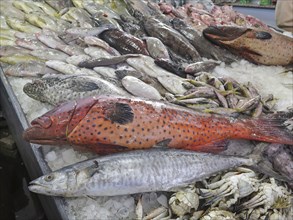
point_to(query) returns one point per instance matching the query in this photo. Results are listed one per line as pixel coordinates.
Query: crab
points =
(184, 201)
(218, 214)
(162, 211)
(231, 187)
(269, 196)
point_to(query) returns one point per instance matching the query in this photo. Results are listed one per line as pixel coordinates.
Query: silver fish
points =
(27, 69)
(94, 41)
(97, 52)
(173, 84)
(134, 172)
(139, 88)
(57, 89)
(62, 67)
(156, 48)
(49, 54)
(76, 59)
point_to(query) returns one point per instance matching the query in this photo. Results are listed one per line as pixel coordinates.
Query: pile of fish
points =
(125, 75)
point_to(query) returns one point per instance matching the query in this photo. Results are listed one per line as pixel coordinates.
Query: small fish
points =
(205, 66)
(256, 45)
(49, 54)
(31, 44)
(10, 50)
(59, 4)
(172, 83)
(26, 6)
(76, 59)
(174, 40)
(94, 41)
(106, 61)
(21, 25)
(46, 8)
(134, 172)
(146, 65)
(49, 38)
(8, 10)
(28, 69)
(135, 123)
(139, 88)
(19, 58)
(58, 89)
(77, 15)
(156, 48)
(123, 42)
(83, 32)
(62, 67)
(97, 52)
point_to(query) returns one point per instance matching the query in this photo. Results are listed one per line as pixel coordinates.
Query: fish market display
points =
(134, 172)
(98, 59)
(136, 123)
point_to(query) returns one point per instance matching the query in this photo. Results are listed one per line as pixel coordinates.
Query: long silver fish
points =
(134, 172)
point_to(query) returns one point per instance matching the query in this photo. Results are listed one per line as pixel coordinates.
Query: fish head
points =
(35, 90)
(251, 44)
(53, 184)
(225, 34)
(54, 126)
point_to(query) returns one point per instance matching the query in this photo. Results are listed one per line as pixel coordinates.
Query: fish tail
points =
(261, 163)
(270, 128)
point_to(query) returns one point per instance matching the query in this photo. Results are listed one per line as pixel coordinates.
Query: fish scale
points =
(110, 123)
(183, 129)
(135, 172)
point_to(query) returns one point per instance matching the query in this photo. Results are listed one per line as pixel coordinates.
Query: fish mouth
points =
(37, 135)
(37, 187)
(223, 33)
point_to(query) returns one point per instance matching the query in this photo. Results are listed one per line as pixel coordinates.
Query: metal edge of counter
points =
(30, 153)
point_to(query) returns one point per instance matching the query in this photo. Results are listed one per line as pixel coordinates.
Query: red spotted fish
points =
(256, 45)
(109, 123)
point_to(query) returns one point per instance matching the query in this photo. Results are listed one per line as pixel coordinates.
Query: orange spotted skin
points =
(256, 45)
(115, 123)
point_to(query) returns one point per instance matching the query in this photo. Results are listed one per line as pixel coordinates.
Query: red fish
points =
(110, 123)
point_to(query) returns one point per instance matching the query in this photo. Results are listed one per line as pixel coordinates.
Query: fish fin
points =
(120, 113)
(262, 164)
(212, 147)
(269, 128)
(163, 144)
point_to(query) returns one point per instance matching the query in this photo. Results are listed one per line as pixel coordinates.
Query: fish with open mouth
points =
(256, 45)
(102, 123)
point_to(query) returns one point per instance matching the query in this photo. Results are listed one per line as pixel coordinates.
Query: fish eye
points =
(49, 178)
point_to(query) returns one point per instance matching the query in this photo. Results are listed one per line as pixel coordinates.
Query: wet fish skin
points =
(174, 40)
(49, 54)
(138, 123)
(19, 58)
(123, 42)
(31, 44)
(134, 172)
(139, 88)
(106, 61)
(156, 48)
(58, 89)
(94, 41)
(256, 45)
(10, 50)
(28, 69)
(62, 67)
(59, 4)
(203, 46)
(205, 66)
(21, 25)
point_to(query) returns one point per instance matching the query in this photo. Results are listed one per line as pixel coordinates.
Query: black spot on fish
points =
(262, 35)
(120, 113)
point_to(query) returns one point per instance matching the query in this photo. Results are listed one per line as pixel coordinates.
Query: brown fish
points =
(134, 123)
(256, 45)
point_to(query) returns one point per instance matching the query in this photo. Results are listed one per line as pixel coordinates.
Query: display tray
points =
(31, 154)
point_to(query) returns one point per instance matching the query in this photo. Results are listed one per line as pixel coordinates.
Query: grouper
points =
(112, 123)
(256, 45)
